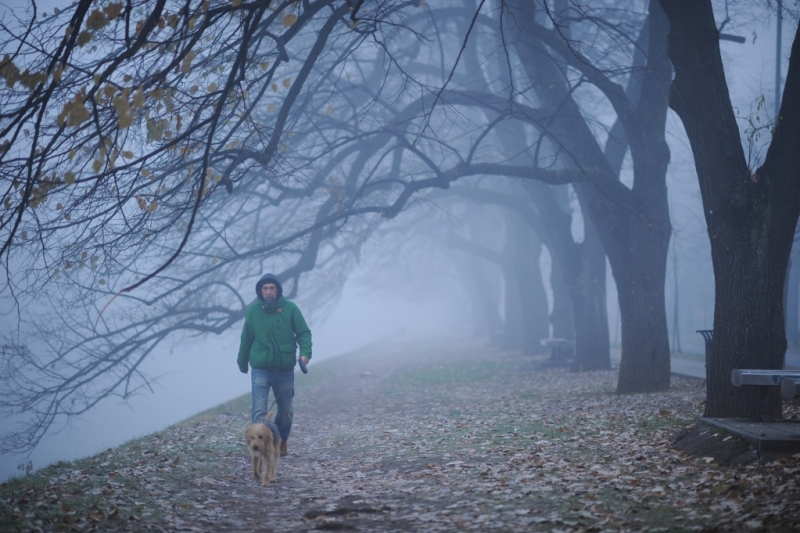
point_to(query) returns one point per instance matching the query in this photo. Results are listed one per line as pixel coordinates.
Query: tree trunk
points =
(562, 317)
(640, 281)
(592, 347)
(533, 298)
(513, 323)
(751, 216)
(792, 295)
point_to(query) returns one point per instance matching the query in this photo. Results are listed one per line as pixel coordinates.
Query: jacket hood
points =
(269, 278)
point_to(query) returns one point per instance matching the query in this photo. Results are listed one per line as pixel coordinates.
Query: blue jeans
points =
(282, 384)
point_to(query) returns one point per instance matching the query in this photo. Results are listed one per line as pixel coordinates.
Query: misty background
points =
(409, 282)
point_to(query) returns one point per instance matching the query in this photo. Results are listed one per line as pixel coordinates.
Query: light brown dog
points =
(263, 441)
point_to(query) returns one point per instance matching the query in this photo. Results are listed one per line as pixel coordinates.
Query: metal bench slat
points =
(741, 377)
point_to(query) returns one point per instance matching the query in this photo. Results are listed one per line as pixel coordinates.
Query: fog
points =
(189, 379)
(407, 279)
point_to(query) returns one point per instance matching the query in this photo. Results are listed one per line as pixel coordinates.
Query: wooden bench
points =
(787, 380)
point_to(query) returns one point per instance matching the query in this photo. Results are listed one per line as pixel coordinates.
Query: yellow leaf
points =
(59, 206)
(187, 61)
(212, 87)
(138, 98)
(69, 178)
(72, 155)
(274, 87)
(127, 78)
(84, 37)
(286, 82)
(101, 281)
(127, 154)
(156, 94)
(141, 202)
(97, 165)
(264, 65)
(289, 19)
(112, 11)
(214, 260)
(109, 90)
(24, 235)
(329, 110)
(96, 20)
(235, 3)
(152, 207)
(270, 108)
(193, 89)
(123, 109)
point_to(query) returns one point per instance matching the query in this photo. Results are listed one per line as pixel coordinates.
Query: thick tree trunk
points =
(640, 286)
(562, 317)
(513, 323)
(750, 216)
(533, 298)
(588, 289)
(792, 295)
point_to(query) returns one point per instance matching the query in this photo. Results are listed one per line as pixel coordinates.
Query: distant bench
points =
(559, 349)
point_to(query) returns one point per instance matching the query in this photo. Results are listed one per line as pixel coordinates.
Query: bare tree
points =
(182, 146)
(751, 212)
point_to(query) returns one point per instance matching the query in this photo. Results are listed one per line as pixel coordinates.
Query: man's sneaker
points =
(284, 448)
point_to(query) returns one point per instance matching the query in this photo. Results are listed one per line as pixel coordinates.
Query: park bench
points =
(787, 380)
(559, 349)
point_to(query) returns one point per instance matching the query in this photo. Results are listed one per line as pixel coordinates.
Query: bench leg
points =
(767, 405)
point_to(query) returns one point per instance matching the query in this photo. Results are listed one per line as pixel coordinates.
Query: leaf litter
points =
(426, 436)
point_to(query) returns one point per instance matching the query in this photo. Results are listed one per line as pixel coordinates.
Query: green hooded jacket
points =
(272, 332)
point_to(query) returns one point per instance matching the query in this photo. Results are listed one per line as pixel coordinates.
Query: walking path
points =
(445, 435)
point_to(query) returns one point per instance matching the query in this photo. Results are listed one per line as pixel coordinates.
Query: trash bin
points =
(708, 336)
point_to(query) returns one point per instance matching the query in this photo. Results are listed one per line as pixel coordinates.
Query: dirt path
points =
(424, 436)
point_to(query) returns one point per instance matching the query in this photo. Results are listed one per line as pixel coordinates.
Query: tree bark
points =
(562, 317)
(533, 298)
(751, 215)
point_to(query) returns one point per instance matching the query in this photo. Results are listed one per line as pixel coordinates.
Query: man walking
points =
(273, 329)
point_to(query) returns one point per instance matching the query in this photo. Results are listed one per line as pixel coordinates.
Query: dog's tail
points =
(270, 416)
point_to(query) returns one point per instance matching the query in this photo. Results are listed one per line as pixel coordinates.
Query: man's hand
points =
(303, 360)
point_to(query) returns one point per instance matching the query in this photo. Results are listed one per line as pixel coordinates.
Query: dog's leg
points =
(265, 476)
(256, 466)
(271, 467)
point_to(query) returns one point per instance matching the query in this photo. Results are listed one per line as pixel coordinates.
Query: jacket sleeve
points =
(245, 345)
(301, 332)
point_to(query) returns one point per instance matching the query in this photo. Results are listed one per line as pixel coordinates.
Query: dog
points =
(263, 441)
